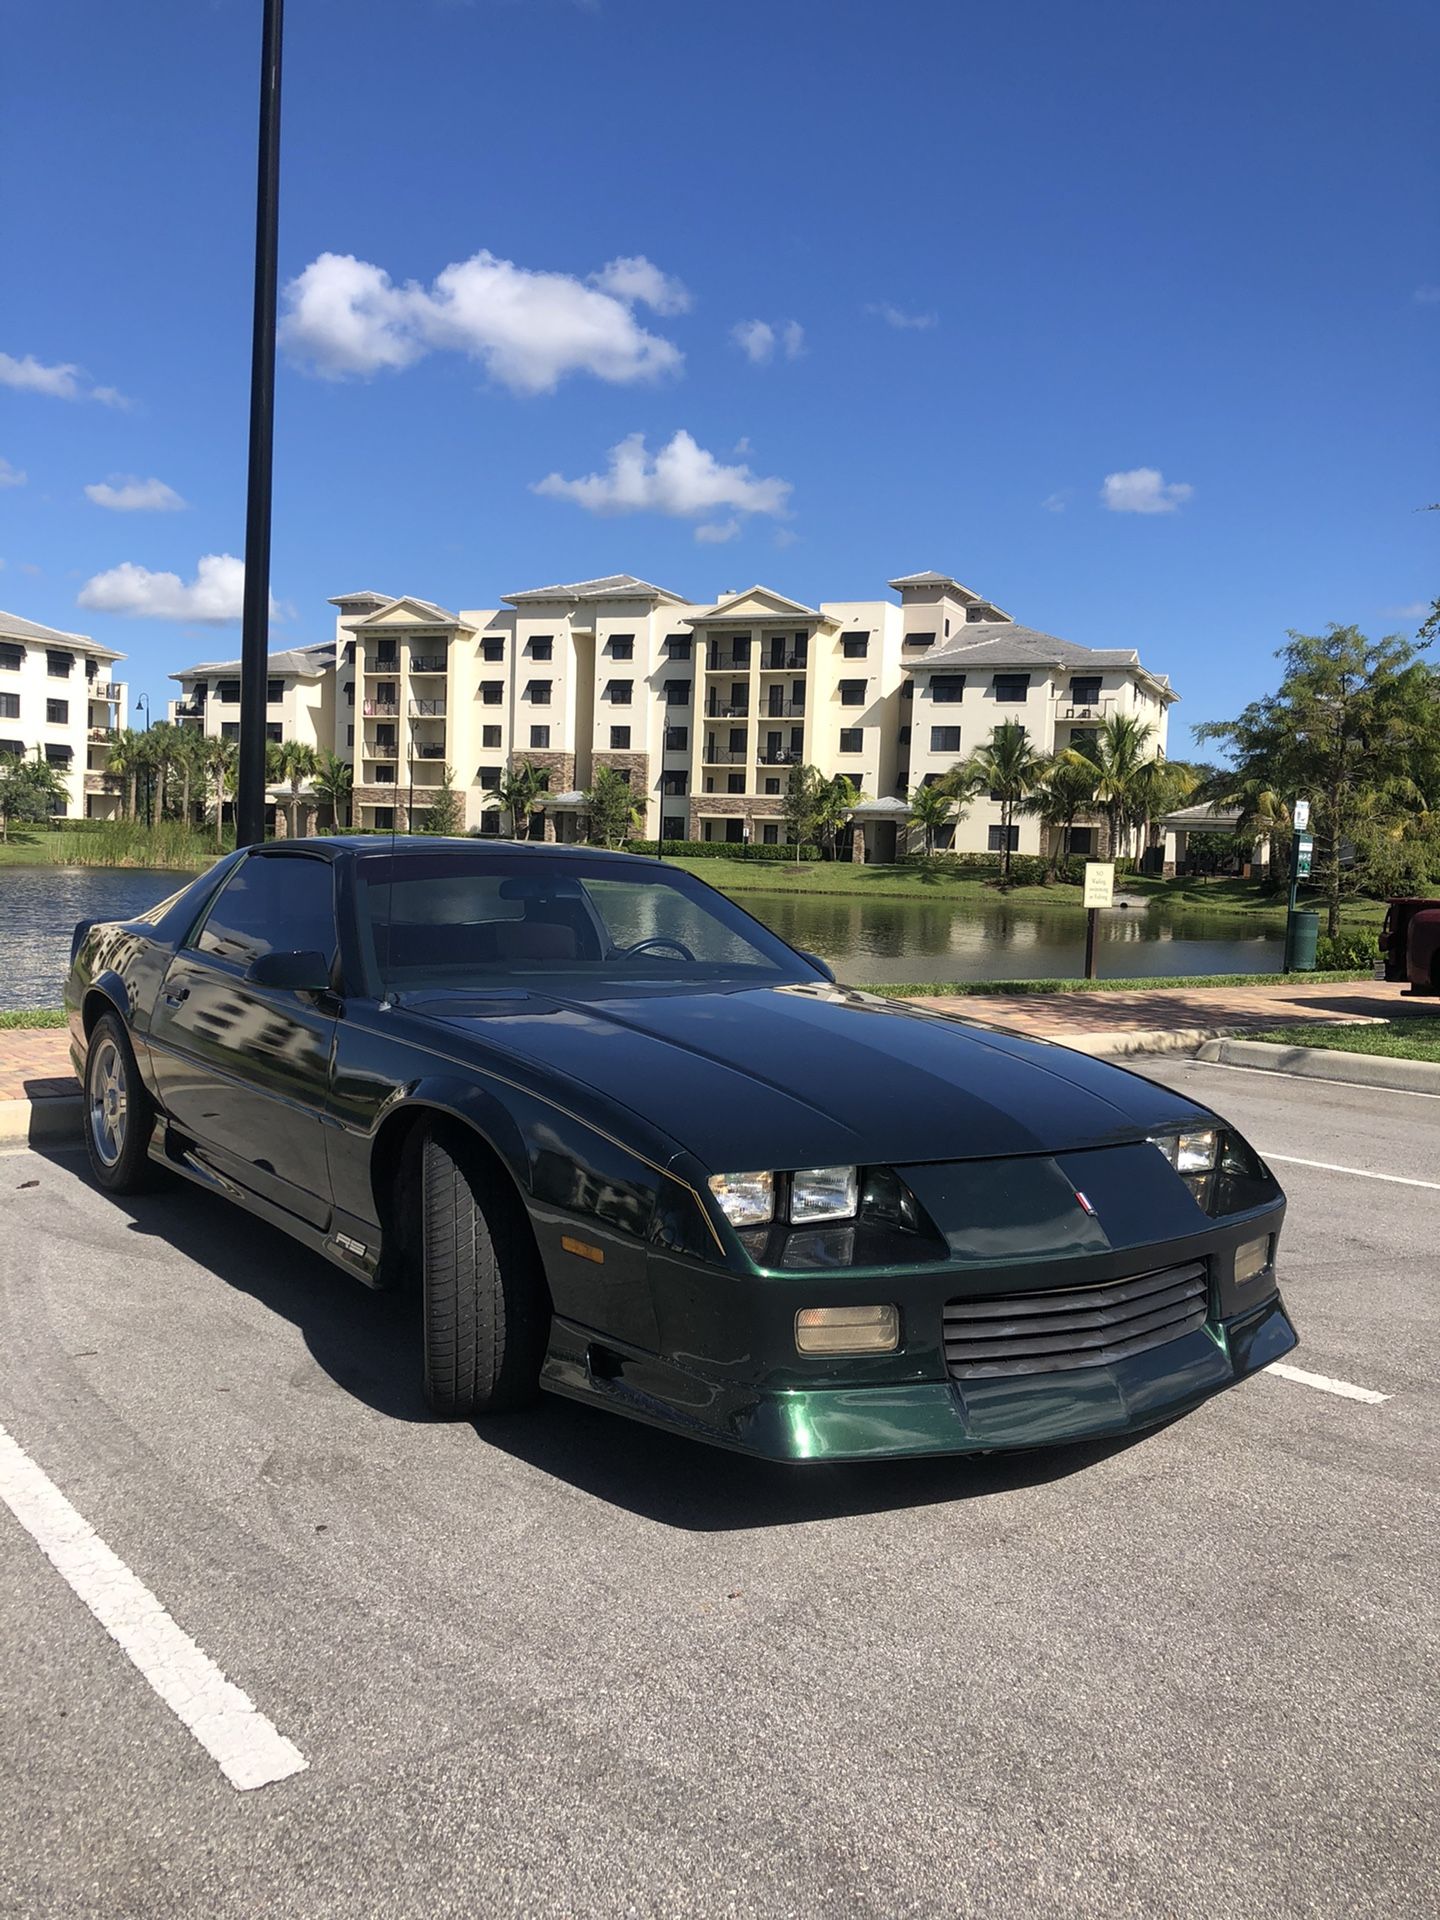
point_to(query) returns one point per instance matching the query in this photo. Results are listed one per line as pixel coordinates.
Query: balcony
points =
(783, 710)
(380, 709)
(381, 750)
(383, 663)
(103, 690)
(725, 756)
(428, 663)
(97, 733)
(427, 751)
(791, 757)
(427, 709)
(1097, 710)
(785, 663)
(728, 710)
(726, 663)
(186, 709)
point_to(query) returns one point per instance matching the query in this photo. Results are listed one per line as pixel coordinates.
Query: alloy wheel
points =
(109, 1102)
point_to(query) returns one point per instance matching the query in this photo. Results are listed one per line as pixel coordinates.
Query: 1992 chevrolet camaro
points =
(632, 1147)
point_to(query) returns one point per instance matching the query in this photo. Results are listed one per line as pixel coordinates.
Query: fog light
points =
(1252, 1258)
(847, 1329)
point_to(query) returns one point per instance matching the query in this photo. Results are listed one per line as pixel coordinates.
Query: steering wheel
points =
(658, 940)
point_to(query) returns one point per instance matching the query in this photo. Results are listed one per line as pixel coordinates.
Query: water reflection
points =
(38, 910)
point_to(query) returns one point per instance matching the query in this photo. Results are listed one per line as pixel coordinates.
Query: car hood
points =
(813, 1076)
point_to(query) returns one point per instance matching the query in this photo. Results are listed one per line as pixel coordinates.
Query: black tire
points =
(119, 1114)
(485, 1308)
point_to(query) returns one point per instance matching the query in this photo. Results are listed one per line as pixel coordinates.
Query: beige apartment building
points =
(704, 708)
(58, 699)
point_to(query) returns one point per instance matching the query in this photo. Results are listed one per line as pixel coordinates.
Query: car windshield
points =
(452, 920)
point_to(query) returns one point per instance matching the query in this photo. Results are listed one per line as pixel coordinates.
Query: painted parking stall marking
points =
(247, 1747)
(1360, 1173)
(1326, 1385)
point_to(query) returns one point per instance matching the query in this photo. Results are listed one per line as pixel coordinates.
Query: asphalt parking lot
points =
(565, 1665)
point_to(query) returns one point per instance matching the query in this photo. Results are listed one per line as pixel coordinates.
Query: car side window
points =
(272, 903)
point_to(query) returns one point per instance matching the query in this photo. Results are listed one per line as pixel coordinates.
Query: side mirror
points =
(293, 972)
(816, 961)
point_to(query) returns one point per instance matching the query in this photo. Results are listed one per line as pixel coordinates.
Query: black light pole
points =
(255, 628)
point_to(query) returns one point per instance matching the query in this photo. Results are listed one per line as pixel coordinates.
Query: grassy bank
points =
(1417, 1037)
(25, 1018)
(110, 844)
(919, 990)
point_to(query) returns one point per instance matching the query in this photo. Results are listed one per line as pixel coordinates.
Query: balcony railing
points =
(98, 733)
(428, 663)
(427, 751)
(427, 709)
(790, 758)
(381, 750)
(104, 690)
(188, 709)
(785, 663)
(1097, 710)
(726, 663)
(383, 663)
(728, 710)
(783, 710)
(725, 756)
(380, 709)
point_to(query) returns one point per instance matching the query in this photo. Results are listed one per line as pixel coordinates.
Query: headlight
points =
(1196, 1150)
(824, 1193)
(746, 1199)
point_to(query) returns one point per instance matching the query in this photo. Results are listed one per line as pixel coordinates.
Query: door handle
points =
(174, 999)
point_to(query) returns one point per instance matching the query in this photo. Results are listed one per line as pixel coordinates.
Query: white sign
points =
(1302, 815)
(1099, 883)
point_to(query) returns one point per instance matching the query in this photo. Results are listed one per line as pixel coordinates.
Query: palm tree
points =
(1067, 790)
(1160, 787)
(1009, 769)
(160, 758)
(518, 792)
(334, 781)
(295, 762)
(930, 809)
(835, 803)
(127, 757)
(187, 749)
(219, 761)
(1120, 751)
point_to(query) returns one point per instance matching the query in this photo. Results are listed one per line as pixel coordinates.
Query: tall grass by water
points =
(112, 843)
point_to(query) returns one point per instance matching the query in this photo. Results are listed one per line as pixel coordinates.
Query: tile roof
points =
(1003, 642)
(348, 599)
(305, 661)
(14, 626)
(442, 616)
(608, 586)
(932, 579)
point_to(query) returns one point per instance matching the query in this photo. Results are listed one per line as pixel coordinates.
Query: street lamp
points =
(143, 700)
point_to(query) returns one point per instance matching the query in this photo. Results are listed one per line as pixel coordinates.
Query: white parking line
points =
(1274, 1073)
(1327, 1385)
(226, 1722)
(1360, 1173)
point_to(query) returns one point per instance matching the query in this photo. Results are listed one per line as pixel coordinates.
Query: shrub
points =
(720, 850)
(1354, 948)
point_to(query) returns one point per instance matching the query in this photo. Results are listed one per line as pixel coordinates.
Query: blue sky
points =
(999, 255)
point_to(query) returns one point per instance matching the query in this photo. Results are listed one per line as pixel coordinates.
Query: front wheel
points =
(119, 1113)
(485, 1306)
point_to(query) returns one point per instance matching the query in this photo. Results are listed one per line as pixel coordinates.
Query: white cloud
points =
(10, 476)
(1428, 296)
(784, 537)
(759, 339)
(63, 381)
(898, 318)
(29, 566)
(214, 596)
(716, 533)
(681, 479)
(124, 493)
(1056, 502)
(742, 445)
(1143, 490)
(345, 316)
(1415, 610)
(633, 277)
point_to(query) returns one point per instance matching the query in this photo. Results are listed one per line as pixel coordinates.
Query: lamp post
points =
(255, 621)
(143, 700)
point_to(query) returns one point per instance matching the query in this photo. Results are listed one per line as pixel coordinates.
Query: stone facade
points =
(758, 809)
(559, 766)
(637, 765)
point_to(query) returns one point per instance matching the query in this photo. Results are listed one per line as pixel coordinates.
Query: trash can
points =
(1300, 939)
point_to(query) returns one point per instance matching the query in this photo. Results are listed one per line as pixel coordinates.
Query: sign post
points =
(1302, 846)
(1099, 892)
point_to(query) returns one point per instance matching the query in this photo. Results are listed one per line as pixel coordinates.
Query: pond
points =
(864, 940)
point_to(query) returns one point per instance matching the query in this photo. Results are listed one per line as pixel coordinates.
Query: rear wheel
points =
(119, 1113)
(485, 1307)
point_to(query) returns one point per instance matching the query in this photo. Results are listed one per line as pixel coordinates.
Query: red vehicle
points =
(1410, 944)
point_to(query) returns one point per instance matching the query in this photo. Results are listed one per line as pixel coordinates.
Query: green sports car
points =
(629, 1146)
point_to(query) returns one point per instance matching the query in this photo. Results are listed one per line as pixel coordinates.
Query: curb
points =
(39, 1122)
(1326, 1063)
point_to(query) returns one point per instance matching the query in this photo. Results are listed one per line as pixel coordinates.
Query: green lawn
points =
(912, 990)
(1416, 1037)
(32, 1017)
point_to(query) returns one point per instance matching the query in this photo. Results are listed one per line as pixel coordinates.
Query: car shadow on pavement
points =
(369, 1345)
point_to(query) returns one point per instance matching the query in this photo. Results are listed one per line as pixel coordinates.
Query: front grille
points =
(1058, 1331)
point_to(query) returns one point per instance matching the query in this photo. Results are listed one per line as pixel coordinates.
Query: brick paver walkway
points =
(36, 1065)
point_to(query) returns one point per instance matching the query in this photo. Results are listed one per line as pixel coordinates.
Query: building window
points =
(385, 819)
(673, 827)
(228, 692)
(674, 784)
(538, 693)
(10, 706)
(947, 689)
(855, 646)
(620, 692)
(622, 773)
(677, 646)
(677, 693)
(58, 665)
(274, 692)
(734, 783)
(1084, 689)
(492, 692)
(385, 776)
(492, 647)
(12, 658)
(944, 739)
(852, 739)
(488, 778)
(1085, 740)
(995, 839)
(349, 736)
(59, 756)
(542, 647)
(771, 785)
(1082, 841)
(490, 736)
(904, 736)
(852, 693)
(349, 693)
(539, 736)
(619, 739)
(274, 731)
(229, 729)
(622, 646)
(677, 739)
(919, 639)
(1011, 689)
(15, 747)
